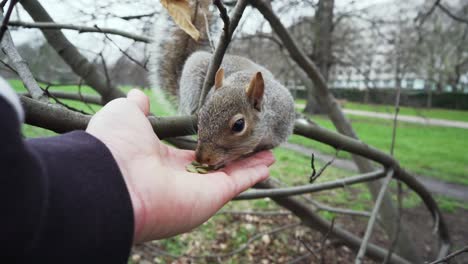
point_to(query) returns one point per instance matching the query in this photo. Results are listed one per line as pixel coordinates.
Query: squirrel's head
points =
(228, 121)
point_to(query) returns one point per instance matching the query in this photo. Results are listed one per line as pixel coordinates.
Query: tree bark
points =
(322, 53)
(70, 54)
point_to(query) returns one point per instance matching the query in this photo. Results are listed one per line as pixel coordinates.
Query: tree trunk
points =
(322, 51)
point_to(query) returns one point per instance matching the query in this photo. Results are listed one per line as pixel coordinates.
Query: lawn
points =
(439, 152)
(437, 113)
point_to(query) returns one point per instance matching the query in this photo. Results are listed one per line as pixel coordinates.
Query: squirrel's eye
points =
(238, 126)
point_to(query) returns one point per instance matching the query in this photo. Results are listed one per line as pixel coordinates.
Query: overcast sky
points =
(68, 12)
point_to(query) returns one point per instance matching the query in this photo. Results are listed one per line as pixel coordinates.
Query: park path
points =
(410, 119)
(406, 118)
(452, 190)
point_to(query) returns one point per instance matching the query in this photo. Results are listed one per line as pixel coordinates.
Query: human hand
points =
(167, 200)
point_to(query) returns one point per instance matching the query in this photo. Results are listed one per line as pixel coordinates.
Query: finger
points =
(262, 158)
(245, 178)
(140, 99)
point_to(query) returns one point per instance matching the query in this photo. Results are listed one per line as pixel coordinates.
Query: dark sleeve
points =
(62, 199)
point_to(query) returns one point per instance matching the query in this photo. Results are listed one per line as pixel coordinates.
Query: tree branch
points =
(57, 119)
(450, 14)
(375, 212)
(80, 29)
(21, 67)
(309, 188)
(223, 44)
(450, 256)
(5, 19)
(79, 64)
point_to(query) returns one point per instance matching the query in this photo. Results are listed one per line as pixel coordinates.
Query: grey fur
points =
(271, 126)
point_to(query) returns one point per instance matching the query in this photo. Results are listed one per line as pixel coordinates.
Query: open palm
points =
(166, 199)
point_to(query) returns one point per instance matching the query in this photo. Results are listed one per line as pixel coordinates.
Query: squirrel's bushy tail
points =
(173, 46)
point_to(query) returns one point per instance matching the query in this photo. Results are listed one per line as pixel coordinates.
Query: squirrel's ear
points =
(255, 90)
(219, 78)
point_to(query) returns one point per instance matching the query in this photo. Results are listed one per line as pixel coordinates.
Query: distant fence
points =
(411, 98)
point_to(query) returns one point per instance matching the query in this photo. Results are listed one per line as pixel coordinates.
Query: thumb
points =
(140, 99)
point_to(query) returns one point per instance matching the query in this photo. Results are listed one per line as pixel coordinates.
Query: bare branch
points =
(392, 148)
(223, 14)
(450, 14)
(80, 29)
(450, 256)
(223, 44)
(79, 64)
(60, 120)
(324, 207)
(5, 19)
(257, 213)
(309, 188)
(21, 67)
(137, 16)
(91, 99)
(375, 212)
(143, 66)
(315, 175)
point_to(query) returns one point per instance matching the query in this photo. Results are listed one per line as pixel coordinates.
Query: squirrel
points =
(246, 110)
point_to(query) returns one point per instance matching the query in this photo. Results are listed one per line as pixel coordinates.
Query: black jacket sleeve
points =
(62, 199)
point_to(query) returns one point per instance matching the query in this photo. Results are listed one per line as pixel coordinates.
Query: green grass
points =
(439, 152)
(437, 113)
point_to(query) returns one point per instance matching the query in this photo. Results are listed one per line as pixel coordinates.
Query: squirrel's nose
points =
(202, 157)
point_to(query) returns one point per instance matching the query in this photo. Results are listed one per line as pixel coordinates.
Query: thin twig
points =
(21, 67)
(223, 14)
(9, 67)
(324, 239)
(396, 233)
(314, 175)
(309, 188)
(80, 29)
(450, 256)
(137, 16)
(106, 72)
(143, 66)
(375, 211)
(4, 26)
(450, 14)
(208, 33)
(309, 249)
(97, 100)
(223, 44)
(337, 210)
(256, 213)
(58, 101)
(3, 3)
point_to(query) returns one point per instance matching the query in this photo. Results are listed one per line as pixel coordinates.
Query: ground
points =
(289, 246)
